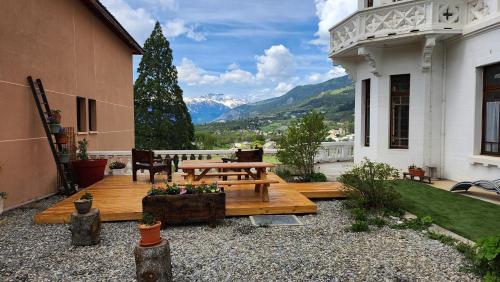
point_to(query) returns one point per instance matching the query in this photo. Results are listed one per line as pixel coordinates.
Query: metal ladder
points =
(63, 169)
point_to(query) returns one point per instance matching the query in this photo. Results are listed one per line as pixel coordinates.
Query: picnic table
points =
(256, 170)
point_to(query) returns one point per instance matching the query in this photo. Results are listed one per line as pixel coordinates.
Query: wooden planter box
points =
(187, 208)
(417, 172)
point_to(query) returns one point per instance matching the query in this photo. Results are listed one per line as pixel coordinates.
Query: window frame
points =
(391, 111)
(366, 87)
(81, 114)
(488, 89)
(92, 115)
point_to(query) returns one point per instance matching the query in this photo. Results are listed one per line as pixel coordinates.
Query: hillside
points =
(297, 98)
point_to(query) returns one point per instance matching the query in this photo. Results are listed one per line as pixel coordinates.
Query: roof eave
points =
(100, 10)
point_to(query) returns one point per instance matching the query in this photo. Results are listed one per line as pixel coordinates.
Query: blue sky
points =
(251, 50)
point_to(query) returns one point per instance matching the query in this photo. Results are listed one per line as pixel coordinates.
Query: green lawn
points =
(471, 218)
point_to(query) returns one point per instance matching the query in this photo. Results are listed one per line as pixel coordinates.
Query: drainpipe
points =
(443, 112)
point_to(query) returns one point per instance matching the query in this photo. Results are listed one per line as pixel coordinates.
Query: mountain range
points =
(334, 97)
(209, 107)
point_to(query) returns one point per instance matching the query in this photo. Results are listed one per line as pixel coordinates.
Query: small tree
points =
(300, 144)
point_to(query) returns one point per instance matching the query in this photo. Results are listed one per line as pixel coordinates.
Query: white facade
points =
(444, 46)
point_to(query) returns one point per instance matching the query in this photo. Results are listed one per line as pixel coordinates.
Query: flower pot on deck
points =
(88, 172)
(83, 206)
(150, 234)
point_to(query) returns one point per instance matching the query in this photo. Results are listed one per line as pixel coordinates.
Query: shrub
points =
(82, 149)
(148, 219)
(299, 145)
(415, 224)
(359, 226)
(377, 221)
(117, 165)
(359, 214)
(86, 196)
(487, 258)
(315, 177)
(370, 185)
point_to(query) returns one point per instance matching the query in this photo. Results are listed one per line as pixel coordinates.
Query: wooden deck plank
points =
(119, 199)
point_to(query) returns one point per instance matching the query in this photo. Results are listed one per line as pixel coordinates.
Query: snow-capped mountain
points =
(209, 107)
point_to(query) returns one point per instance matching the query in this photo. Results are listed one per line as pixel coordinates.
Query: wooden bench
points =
(220, 174)
(261, 185)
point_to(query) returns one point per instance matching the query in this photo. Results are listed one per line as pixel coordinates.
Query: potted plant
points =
(54, 124)
(62, 136)
(63, 156)
(84, 204)
(87, 171)
(3, 196)
(56, 114)
(116, 167)
(149, 229)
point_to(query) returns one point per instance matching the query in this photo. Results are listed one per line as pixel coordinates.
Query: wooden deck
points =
(120, 199)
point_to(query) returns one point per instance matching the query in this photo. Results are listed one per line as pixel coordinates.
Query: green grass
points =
(471, 218)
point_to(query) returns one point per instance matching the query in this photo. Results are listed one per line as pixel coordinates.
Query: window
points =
(400, 111)
(491, 111)
(369, 3)
(366, 98)
(92, 115)
(81, 114)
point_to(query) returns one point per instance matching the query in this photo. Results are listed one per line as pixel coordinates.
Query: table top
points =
(205, 165)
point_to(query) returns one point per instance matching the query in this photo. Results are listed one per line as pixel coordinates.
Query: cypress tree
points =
(162, 120)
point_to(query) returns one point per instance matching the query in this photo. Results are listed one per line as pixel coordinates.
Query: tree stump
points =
(86, 228)
(153, 263)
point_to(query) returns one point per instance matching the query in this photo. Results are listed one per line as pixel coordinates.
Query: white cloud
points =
(337, 71)
(283, 87)
(178, 27)
(329, 13)
(163, 4)
(193, 75)
(138, 22)
(277, 62)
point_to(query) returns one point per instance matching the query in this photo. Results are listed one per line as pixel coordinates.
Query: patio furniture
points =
(245, 156)
(488, 185)
(425, 178)
(259, 178)
(144, 159)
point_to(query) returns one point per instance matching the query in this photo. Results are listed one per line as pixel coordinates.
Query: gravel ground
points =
(321, 250)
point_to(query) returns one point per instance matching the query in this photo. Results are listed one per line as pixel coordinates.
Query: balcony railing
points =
(329, 152)
(406, 18)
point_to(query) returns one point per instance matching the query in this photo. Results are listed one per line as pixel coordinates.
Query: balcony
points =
(404, 20)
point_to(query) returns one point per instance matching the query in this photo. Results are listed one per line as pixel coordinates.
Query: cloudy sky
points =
(245, 49)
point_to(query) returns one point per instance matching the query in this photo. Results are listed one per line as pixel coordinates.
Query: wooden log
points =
(153, 263)
(86, 228)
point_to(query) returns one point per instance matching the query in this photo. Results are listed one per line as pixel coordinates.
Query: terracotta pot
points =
(150, 234)
(83, 206)
(88, 172)
(62, 138)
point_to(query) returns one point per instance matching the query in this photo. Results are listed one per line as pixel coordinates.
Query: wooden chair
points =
(144, 159)
(246, 156)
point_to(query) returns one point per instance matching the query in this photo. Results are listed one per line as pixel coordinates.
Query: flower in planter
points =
(117, 165)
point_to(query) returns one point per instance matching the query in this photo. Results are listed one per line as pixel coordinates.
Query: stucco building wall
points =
(76, 55)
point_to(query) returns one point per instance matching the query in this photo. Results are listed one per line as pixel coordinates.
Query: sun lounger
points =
(484, 184)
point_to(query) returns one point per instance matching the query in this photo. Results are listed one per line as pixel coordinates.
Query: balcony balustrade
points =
(328, 152)
(406, 18)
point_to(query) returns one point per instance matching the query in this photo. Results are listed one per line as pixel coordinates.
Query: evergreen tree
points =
(162, 120)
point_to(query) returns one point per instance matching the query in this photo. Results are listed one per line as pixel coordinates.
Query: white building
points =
(427, 78)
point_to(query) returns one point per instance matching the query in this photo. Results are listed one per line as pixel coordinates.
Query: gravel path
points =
(321, 250)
